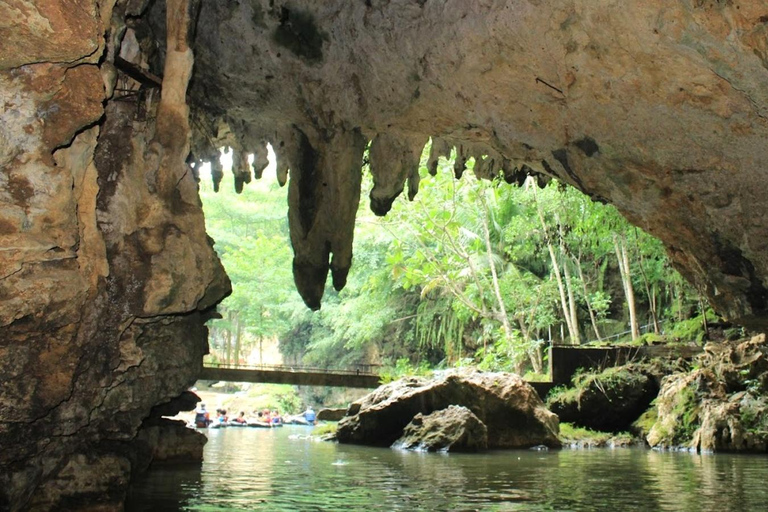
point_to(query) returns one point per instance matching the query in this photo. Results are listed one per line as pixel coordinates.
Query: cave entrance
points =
(469, 273)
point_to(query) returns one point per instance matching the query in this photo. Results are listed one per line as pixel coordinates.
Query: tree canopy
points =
(472, 272)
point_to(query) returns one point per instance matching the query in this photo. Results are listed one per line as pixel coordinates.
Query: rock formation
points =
(607, 401)
(331, 414)
(106, 275)
(720, 405)
(454, 429)
(656, 107)
(510, 409)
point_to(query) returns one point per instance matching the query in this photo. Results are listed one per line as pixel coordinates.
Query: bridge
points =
(563, 360)
(361, 376)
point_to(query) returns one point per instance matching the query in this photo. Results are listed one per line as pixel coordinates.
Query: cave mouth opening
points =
(470, 271)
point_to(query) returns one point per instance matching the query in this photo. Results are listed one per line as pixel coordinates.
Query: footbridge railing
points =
(358, 376)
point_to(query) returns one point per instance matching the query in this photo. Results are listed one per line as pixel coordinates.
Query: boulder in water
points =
(162, 440)
(508, 406)
(608, 401)
(331, 414)
(454, 428)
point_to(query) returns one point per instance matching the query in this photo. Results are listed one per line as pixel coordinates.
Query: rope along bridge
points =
(360, 376)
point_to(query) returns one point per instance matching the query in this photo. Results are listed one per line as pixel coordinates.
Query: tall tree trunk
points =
(261, 335)
(501, 307)
(238, 337)
(534, 353)
(592, 317)
(228, 339)
(651, 301)
(576, 335)
(556, 269)
(626, 279)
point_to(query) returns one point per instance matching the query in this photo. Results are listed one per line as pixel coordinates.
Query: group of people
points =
(264, 417)
(269, 417)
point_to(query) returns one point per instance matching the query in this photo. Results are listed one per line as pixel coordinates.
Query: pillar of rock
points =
(106, 273)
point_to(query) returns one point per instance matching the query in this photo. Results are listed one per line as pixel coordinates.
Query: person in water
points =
(202, 418)
(240, 418)
(276, 419)
(310, 415)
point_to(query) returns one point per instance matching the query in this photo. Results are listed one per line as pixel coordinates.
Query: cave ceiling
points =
(657, 107)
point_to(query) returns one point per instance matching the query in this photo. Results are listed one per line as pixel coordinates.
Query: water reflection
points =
(280, 469)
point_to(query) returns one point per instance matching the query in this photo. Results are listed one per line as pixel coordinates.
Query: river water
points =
(281, 469)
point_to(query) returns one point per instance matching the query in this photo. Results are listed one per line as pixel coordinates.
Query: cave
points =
(107, 276)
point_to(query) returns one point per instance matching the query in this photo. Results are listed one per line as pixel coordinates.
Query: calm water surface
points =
(280, 469)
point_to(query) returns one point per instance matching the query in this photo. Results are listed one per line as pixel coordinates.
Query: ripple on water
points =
(279, 469)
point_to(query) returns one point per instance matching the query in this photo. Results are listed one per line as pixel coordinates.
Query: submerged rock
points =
(167, 441)
(509, 407)
(720, 405)
(454, 428)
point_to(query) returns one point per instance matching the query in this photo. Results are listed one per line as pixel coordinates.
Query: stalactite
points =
(323, 197)
(241, 169)
(394, 160)
(440, 147)
(260, 161)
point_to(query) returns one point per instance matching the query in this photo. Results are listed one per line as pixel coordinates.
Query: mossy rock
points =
(608, 401)
(643, 425)
(721, 404)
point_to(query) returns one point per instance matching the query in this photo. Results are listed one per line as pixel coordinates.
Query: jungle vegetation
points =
(472, 272)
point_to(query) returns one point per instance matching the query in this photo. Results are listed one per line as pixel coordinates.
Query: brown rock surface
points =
(509, 407)
(106, 272)
(166, 441)
(331, 414)
(657, 107)
(453, 429)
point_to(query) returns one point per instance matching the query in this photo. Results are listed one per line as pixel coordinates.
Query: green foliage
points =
(536, 377)
(753, 415)
(275, 396)
(463, 275)
(325, 428)
(404, 368)
(251, 238)
(686, 408)
(693, 328)
(563, 395)
(281, 397)
(643, 425)
(572, 433)
(649, 338)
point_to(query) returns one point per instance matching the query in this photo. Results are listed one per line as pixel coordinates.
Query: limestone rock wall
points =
(106, 273)
(657, 107)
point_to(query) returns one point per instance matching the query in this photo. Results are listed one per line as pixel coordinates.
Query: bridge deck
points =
(297, 376)
(303, 376)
